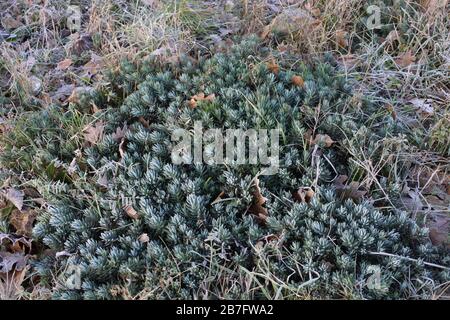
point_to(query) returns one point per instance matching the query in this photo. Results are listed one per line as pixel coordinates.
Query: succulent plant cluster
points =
(132, 221)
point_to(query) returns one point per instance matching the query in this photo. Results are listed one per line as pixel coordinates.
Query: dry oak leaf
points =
(120, 133)
(303, 195)
(94, 133)
(15, 197)
(405, 59)
(15, 243)
(129, 210)
(12, 261)
(258, 201)
(323, 139)
(23, 221)
(64, 64)
(298, 81)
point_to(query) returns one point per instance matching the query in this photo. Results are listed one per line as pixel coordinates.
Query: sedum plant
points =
(136, 225)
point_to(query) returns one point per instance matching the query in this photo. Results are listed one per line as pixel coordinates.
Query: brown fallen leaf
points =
(15, 243)
(129, 210)
(144, 122)
(94, 65)
(63, 92)
(192, 103)
(390, 108)
(120, 133)
(79, 43)
(23, 221)
(258, 201)
(10, 23)
(72, 166)
(348, 191)
(273, 67)
(64, 64)
(12, 262)
(144, 238)
(298, 81)
(303, 195)
(341, 38)
(200, 97)
(323, 139)
(349, 61)
(122, 148)
(103, 181)
(405, 59)
(392, 37)
(423, 105)
(433, 6)
(77, 92)
(94, 133)
(15, 197)
(439, 228)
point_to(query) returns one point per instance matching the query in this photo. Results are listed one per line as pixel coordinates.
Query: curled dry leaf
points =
(129, 210)
(392, 37)
(64, 64)
(12, 262)
(103, 181)
(144, 238)
(122, 148)
(144, 122)
(62, 254)
(15, 243)
(23, 221)
(348, 191)
(94, 65)
(390, 108)
(323, 139)
(258, 201)
(341, 38)
(94, 133)
(200, 97)
(303, 195)
(349, 61)
(15, 197)
(405, 59)
(10, 23)
(273, 67)
(422, 105)
(72, 166)
(297, 81)
(120, 133)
